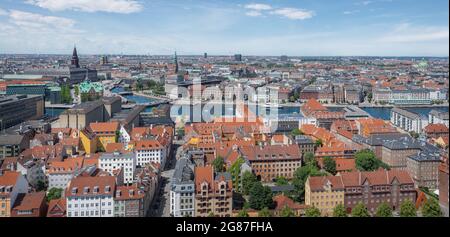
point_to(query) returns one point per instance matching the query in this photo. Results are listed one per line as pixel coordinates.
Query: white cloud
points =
(37, 21)
(112, 6)
(294, 13)
(3, 12)
(253, 13)
(364, 3)
(351, 12)
(258, 7)
(406, 33)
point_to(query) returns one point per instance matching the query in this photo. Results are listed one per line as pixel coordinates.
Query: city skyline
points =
(257, 28)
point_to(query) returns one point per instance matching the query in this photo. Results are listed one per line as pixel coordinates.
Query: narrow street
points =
(161, 203)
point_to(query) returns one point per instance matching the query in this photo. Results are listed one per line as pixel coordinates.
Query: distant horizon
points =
(224, 55)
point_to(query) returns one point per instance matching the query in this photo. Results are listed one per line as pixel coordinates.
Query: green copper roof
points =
(86, 86)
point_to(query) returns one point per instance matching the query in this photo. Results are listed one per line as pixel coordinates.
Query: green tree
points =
(407, 209)
(384, 210)
(219, 164)
(76, 90)
(287, 212)
(329, 165)
(367, 161)
(300, 177)
(235, 171)
(243, 213)
(260, 196)
(211, 214)
(84, 97)
(339, 211)
(264, 212)
(318, 143)
(360, 211)
(248, 180)
(54, 193)
(431, 208)
(309, 158)
(296, 132)
(281, 181)
(40, 185)
(370, 97)
(312, 212)
(414, 134)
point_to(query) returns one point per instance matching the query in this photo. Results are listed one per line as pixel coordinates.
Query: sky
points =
(226, 27)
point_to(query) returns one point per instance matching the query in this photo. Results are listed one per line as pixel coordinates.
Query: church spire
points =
(75, 61)
(176, 63)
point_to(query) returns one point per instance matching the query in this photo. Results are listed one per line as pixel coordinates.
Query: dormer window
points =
(118, 193)
(131, 192)
(107, 189)
(74, 191)
(86, 190)
(96, 189)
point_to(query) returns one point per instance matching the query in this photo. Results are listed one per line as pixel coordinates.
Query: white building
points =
(11, 184)
(91, 197)
(182, 190)
(436, 117)
(111, 162)
(148, 151)
(408, 121)
(60, 173)
(124, 136)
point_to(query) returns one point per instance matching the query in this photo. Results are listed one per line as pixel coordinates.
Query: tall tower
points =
(176, 63)
(75, 60)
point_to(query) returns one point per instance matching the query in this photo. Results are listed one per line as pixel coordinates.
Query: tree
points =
(76, 90)
(54, 193)
(300, 177)
(407, 209)
(318, 143)
(264, 213)
(219, 164)
(339, 211)
(210, 214)
(248, 180)
(431, 208)
(243, 213)
(235, 171)
(312, 212)
(384, 210)
(309, 159)
(287, 212)
(360, 211)
(329, 165)
(281, 181)
(366, 161)
(260, 196)
(40, 185)
(296, 132)
(370, 97)
(414, 134)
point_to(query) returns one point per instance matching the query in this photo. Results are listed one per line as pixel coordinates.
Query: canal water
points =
(385, 113)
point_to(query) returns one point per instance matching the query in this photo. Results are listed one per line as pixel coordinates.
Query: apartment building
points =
(150, 151)
(30, 205)
(89, 196)
(271, 162)
(182, 191)
(129, 202)
(324, 193)
(407, 120)
(106, 133)
(60, 173)
(12, 184)
(424, 169)
(111, 162)
(213, 193)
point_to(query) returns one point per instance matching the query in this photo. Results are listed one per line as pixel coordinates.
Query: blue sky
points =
(264, 27)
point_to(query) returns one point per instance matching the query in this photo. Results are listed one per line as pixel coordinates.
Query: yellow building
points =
(88, 141)
(106, 133)
(325, 193)
(11, 184)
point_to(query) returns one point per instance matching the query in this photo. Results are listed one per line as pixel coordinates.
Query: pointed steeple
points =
(176, 63)
(75, 60)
